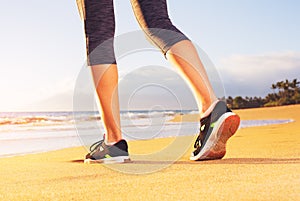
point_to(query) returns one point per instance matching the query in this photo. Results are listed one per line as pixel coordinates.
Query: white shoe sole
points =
(112, 160)
(215, 146)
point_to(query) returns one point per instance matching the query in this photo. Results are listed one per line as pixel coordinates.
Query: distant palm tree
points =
(284, 93)
(294, 84)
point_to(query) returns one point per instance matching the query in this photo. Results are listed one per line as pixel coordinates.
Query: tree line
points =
(284, 93)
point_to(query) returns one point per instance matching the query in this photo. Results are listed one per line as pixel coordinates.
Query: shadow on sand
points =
(217, 162)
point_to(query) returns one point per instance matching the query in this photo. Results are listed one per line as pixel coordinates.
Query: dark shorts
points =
(99, 23)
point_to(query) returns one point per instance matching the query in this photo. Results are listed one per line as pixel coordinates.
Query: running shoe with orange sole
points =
(215, 130)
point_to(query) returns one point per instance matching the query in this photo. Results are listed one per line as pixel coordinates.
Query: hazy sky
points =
(252, 43)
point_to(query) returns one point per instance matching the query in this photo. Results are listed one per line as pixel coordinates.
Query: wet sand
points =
(262, 163)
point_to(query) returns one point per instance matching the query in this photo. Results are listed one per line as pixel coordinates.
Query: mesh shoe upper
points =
(207, 125)
(100, 150)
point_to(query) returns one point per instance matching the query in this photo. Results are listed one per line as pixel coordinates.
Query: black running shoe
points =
(102, 153)
(215, 130)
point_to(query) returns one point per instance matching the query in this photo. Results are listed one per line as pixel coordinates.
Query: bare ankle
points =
(112, 138)
(206, 109)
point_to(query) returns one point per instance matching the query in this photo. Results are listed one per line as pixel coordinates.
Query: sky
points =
(250, 44)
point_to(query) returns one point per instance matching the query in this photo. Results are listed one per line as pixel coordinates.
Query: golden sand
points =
(262, 163)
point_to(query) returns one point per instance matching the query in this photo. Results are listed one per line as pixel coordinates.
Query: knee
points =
(163, 36)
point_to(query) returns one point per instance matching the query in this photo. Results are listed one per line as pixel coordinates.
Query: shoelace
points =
(197, 142)
(97, 144)
(203, 123)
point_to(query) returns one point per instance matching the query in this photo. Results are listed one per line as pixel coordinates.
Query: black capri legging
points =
(99, 23)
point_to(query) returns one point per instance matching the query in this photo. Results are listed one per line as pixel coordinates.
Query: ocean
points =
(33, 132)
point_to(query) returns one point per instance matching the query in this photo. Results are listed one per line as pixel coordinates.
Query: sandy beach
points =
(261, 163)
